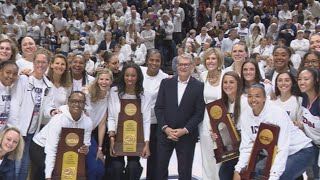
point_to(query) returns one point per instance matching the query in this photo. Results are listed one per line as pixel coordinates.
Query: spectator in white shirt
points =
(78, 6)
(7, 8)
(73, 24)
(177, 15)
(284, 14)
(91, 46)
(59, 23)
(314, 7)
(136, 55)
(227, 44)
(46, 23)
(148, 35)
(34, 31)
(257, 22)
(202, 37)
(134, 19)
(22, 24)
(89, 63)
(13, 29)
(31, 15)
(300, 45)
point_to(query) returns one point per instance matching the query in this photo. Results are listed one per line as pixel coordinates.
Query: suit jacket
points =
(190, 111)
(102, 45)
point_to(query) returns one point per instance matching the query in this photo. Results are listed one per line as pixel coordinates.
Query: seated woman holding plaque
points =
(44, 146)
(11, 148)
(231, 96)
(294, 152)
(128, 89)
(97, 101)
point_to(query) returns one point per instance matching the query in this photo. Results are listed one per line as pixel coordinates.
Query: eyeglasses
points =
(185, 65)
(311, 62)
(72, 101)
(40, 62)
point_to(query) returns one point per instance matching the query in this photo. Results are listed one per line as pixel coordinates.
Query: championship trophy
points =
(129, 140)
(228, 140)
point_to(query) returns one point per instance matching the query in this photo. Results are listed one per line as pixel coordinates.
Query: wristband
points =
(99, 148)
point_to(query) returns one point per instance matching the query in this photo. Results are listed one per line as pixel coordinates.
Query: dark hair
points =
(294, 89)
(237, 102)
(257, 76)
(138, 86)
(78, 92)
(152, 52)
(316, 53)
(66, 76)
(6, 63)
(259, 86)
(287, 49)
(107, 55)
(315, 75)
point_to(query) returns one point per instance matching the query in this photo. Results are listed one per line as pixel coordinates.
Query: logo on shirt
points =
(306, 121)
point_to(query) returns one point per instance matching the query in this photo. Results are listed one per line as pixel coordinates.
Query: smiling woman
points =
(33, 102)
(282, 63)
(8, 50)
(8, 76)
(59, 75)
(11, 149)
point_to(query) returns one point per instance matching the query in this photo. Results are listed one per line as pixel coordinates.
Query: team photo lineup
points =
(159, 89)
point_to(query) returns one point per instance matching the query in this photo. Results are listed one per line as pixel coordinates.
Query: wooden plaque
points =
(70, 164)
(129, 139)
(228, 140)
(263, 152)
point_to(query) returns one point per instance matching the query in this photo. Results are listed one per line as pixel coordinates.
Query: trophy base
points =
(223, 157)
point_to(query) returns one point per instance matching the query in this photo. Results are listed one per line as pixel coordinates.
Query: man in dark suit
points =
(107, 44)
(179, 109)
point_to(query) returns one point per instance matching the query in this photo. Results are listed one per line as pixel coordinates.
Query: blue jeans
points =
(22, 166)
(227, 169)
(95, 167)
(298, 163)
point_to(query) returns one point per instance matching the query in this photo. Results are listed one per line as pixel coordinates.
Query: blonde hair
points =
(66, 77)
(218, 54)
(43, 51)
(94, 90)
(17, 153)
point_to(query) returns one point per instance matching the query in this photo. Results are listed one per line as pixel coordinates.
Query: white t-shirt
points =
(292, 106)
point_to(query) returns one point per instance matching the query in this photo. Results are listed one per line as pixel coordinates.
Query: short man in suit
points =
(107, 44)
(179, 109)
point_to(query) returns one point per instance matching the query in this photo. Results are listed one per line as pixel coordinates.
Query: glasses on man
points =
(184, 65)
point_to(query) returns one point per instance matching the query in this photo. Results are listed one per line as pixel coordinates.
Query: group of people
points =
(77, 72)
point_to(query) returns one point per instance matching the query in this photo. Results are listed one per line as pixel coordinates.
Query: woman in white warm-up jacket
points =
(130, 86)
(44, 146)
(32, 102)
(295, 152)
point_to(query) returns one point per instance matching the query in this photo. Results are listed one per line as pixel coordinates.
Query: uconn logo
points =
(310, 124)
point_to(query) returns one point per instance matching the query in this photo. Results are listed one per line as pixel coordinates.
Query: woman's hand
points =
(298, 124)
(236, 176)
(84, 149)
(146, 151)
(100, 156)
(213, 135)
(112, 152)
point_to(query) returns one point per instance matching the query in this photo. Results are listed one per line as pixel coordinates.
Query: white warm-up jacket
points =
(49, 136)
(23, 103)
(291, 138)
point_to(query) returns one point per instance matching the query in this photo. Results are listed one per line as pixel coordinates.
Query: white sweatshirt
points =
(291, 138)
(115, 105)
(152, 85)
(49, 136)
